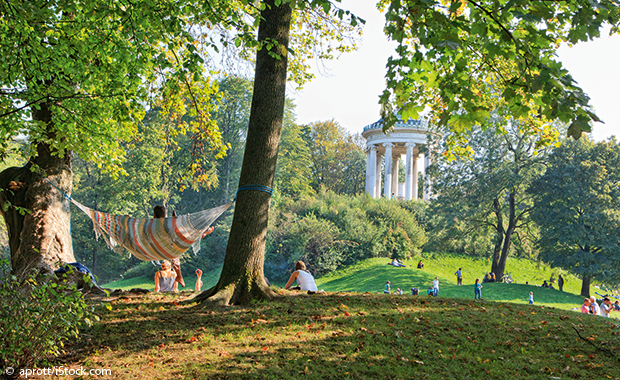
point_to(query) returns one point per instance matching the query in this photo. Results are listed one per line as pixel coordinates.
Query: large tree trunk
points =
(242, 277)
(585, 286)
(36, 212)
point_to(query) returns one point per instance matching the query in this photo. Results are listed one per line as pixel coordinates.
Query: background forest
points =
(484, 205)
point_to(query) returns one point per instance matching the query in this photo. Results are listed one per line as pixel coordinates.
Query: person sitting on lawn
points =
(544, 284)
(166, 279)
(387, 290)
(585, 308)
(420, 265)
(305, 280)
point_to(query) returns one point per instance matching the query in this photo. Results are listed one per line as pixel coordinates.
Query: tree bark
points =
(37, 213)
(242, 277)
(585, 286)
(512, 223)
(497, 250)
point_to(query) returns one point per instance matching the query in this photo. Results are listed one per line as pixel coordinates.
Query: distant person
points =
(606, 307)
(552, 279)
(415, 291)
(585, 308)
(459, 277)
(166, 278)
(305, 280)
(198, 280)
(595, 309)
(531, 298)
(477, 289)
(387, 288)
(397, 263)
(398, 292)
(544, 284)
(436, 287)
(420, 265)
(560, 282)
(617, 305)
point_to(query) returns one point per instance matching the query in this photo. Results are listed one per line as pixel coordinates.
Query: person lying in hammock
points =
(166, 279)
(159, 211)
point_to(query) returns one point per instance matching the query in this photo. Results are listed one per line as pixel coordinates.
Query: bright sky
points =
(350, 92)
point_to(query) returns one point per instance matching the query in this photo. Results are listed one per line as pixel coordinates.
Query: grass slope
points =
(345, 336)
(370, 276)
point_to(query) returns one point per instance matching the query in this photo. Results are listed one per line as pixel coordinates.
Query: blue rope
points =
(262, 188)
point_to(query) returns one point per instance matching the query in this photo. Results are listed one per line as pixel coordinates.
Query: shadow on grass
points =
(342, 336)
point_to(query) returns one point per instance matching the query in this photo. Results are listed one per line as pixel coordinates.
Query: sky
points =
(349, 91)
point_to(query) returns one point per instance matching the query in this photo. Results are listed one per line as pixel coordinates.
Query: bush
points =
(37, 316)
(328, 231)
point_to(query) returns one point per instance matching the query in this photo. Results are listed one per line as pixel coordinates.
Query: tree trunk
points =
(585, 286)
(499, 228)
(512, 223)
(36, 212)
(242, 277)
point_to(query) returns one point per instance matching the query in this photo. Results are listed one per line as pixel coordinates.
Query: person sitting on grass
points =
(585, 308)
(305, 280)
(387, 290)
(420, 265)
(159, 212)
(166, 279)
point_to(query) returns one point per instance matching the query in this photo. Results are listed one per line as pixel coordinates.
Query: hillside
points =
(344, 336)
(371, 275)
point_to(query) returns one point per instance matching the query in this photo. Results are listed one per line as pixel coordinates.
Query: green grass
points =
(345, 336)
(372, 274)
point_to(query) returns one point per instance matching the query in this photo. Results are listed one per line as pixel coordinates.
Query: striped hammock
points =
(153, 239)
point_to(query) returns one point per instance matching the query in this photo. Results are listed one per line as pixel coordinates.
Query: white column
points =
(427, 181)
(414, 185)
(421, 168)
(387, 192)
(409, 170)
(371, 170)
(395, 168)
(377, 190)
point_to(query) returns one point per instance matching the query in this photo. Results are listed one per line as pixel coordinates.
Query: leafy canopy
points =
(465, 59)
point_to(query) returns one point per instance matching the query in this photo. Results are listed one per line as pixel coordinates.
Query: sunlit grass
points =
(345, 335)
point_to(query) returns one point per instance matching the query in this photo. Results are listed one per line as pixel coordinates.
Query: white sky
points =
(350, 92)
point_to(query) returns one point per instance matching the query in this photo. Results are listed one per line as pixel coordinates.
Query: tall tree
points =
(488, 190)
(337, 158)
(577, 208)
(74, 78)
(293, 173)
(242, 276)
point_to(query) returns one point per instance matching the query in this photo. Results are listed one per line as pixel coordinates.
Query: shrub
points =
(37, 316)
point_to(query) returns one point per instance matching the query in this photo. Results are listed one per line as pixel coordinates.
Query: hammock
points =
(153, 239)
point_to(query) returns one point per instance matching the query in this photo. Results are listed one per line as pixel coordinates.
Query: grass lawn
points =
(371, 275)
(345, 336)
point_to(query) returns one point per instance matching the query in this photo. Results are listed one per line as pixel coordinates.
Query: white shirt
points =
(605, 310)
(436, 284)
(595, 308)
(306, 281)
